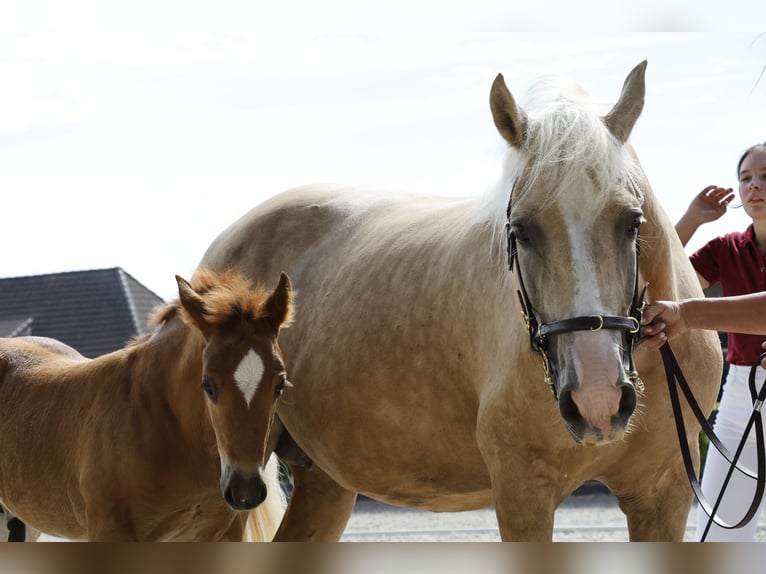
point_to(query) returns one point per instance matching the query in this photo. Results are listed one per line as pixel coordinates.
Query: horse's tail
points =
(263, 522)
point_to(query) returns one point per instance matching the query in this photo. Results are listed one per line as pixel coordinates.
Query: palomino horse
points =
(418, 384)
(127, 446)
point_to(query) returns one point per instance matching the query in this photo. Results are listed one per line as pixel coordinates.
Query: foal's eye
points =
(209, 388)
(281, 386)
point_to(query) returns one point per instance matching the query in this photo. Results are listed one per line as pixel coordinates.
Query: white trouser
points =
(733, 414)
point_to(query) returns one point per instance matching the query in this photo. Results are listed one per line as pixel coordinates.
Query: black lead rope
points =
(675, 378)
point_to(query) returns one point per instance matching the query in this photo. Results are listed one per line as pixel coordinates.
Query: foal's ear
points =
(510, 119)
(192, 306)
(280, 303)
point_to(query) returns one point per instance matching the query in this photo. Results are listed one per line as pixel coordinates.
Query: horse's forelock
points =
(566, 141)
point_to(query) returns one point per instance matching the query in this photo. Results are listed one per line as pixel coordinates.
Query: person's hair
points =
(748, 151)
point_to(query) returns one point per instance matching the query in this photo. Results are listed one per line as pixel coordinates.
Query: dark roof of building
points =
(96, 311)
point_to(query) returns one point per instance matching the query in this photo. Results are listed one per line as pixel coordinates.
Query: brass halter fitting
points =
(548, 373)
(636, 381)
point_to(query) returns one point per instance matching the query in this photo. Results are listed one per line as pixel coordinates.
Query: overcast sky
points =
(132, 137)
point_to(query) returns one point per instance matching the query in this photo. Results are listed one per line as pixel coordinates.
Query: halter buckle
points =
(600, 322)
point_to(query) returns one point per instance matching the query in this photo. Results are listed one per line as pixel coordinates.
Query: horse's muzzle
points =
(592, 433)
(242, 491)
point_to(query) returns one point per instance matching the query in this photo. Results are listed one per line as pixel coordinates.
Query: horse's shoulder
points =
(315, 215)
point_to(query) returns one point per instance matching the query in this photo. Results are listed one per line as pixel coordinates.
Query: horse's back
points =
(36, 346)
(24, 352)
(309, 223)
(20, 355)
(53, 346)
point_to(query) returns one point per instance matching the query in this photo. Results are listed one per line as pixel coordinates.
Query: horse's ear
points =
(192, 305)
(510, 119)
(621, 119)
(279, 306)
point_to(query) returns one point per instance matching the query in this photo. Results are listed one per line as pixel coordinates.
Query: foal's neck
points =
(167, 368)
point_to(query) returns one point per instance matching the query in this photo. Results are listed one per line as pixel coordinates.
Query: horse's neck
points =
(664, 265)
(473, 247)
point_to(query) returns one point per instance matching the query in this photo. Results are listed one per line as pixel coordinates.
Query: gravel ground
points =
(590, 517)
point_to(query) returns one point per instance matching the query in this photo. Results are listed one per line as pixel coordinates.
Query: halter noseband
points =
(539, 332)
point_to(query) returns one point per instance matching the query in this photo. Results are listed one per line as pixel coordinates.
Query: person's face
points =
(752, 184)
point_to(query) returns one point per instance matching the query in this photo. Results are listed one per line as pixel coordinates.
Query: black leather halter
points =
(539, 333)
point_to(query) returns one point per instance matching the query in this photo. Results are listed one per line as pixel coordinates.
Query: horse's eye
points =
(209, 388)
(521, 235)
(634, 227)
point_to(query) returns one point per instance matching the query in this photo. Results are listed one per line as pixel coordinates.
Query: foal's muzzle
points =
(242, 491)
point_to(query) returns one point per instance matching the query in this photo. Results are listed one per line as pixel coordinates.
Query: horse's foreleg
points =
(525, 500)
(660, 518)
(658, 509)
(318, 510)
(523, 514)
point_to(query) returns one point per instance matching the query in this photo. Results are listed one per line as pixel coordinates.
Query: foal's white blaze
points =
(248, 375)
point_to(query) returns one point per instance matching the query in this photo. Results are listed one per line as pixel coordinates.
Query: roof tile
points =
(94, 311)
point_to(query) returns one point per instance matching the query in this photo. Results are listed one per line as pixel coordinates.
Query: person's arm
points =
(708, 205)
(665, 320)
(740, 314)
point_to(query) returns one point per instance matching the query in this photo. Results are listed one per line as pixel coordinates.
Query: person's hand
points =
(710, 204)
(661, 321)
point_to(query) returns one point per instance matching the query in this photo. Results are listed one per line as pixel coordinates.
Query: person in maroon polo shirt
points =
(735, 260)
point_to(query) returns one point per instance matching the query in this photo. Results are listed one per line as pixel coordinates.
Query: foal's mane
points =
(226, 296)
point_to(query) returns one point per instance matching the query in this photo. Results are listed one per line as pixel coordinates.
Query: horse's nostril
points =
(228, 496)
(571, 414)
(628, 402)
(567, 406)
